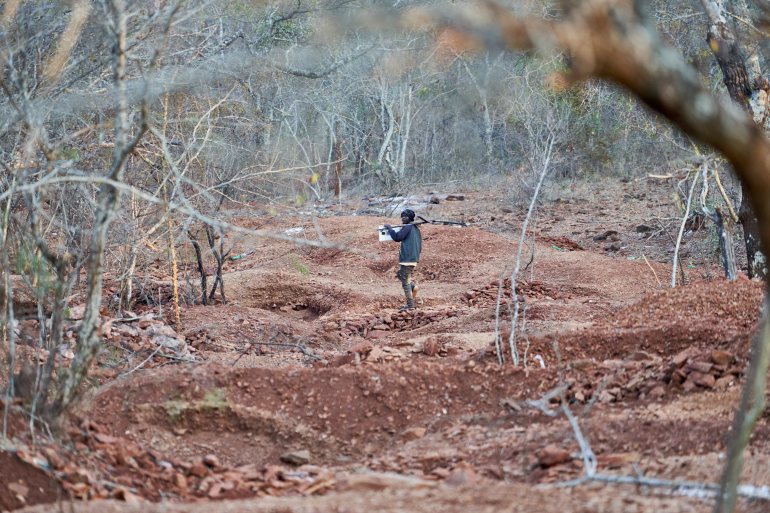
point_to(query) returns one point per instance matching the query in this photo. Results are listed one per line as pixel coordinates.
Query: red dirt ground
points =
(309, 391)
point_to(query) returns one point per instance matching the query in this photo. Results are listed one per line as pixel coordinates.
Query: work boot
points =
(408, 306)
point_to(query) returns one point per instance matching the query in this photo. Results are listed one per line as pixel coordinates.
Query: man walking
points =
(409, 255)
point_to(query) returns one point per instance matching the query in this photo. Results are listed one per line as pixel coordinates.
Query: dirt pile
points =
(733, 306)
(25, 483)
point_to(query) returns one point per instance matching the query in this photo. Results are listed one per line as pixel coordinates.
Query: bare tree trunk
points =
(219, 256)
(108, 202)
(520, 249)
(755, 257)
(724, 231)
(405, 127)
(174, 273)
(724, 45)
(482, 88)
(7, 333)
(726, 244)
(388, 127)
(201, 269)
(681, 231)
(127, 284)
(50, 334)
(337, 167)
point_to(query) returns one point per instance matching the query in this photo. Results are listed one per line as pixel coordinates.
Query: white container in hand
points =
(384, 236)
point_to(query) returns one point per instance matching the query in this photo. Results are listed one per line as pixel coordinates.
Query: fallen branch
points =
(652, 269)
(683, 488)
(542, 404)
(157, 349)
(299, 347)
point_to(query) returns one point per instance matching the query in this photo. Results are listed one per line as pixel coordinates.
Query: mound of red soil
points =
(718, 314)
(24, 484)
(727, 305)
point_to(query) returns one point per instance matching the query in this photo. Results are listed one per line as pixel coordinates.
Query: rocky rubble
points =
(137, 473)
(102, 466)
(146, 333)
(135, 334)
(525, 290)
(643, 376)
(374, 326)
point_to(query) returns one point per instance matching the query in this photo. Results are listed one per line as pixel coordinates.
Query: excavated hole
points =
(302, 302)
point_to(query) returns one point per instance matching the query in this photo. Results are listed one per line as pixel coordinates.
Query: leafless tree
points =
(750, 93)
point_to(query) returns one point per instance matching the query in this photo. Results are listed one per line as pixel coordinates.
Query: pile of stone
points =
(146, 332)
(693, 369)
(379, 326)
(642, 376)
(105, 466)
(525, 290)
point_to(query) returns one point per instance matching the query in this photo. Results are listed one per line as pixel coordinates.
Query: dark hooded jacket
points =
(411, 243)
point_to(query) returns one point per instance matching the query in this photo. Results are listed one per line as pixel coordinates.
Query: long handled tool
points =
(421, 220)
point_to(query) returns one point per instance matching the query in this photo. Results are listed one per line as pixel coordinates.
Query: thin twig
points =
(726, 199)
(298, 347)
(652, 269)
(681, 229)
(520, 248)
(157, 349)
(685, 488)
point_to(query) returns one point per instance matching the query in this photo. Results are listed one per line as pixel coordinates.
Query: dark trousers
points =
(405, 275)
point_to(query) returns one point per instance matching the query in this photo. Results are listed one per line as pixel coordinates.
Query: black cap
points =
(408, 213)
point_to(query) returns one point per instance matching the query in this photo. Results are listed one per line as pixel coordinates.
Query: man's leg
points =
(405, 275)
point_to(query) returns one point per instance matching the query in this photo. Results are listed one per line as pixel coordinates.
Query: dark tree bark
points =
(219, 255)
(757, 261)
(725, 244)
(201, 269)
(729, 56)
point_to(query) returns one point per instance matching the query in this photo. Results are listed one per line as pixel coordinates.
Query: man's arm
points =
(400, 235)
